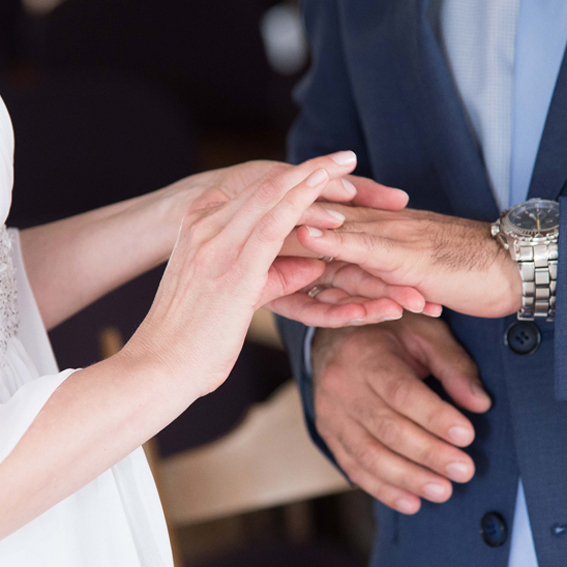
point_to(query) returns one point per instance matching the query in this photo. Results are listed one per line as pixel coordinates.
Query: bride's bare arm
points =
(223, 267)
(73, 262)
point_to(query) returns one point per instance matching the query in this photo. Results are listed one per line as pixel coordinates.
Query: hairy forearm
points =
(73, 262)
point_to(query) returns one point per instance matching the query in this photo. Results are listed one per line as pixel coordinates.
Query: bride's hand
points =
(342, 287)
(221, 185)
(223, 268)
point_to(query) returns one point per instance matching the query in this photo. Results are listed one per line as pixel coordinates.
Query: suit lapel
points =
(550, 170)
(437, 108)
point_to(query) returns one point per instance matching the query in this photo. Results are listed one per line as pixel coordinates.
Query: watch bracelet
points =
(538, 270)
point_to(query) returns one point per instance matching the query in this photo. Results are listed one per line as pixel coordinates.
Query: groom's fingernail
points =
(480, 393)
(314, 232)
(349, 187)
(344, 158)
(336, 215)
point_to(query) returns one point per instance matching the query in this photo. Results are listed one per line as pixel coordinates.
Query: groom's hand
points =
(391, 434)
(451, 261)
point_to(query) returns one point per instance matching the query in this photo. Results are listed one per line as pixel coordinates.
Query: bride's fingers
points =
(317, 313)
(270, 190)
(432, 309)
(269, 231)
(292, 247)
(288, 275)
(359, 282)
(377, 310)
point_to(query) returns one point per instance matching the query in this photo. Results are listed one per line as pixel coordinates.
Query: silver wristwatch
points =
(530, 231)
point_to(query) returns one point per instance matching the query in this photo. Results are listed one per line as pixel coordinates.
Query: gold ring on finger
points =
(316, 290)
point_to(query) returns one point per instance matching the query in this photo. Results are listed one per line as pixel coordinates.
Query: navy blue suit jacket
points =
(379, 85)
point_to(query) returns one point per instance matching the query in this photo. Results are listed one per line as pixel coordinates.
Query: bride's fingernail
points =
(314, 232)
(417, 306)
(336, 215)
(349, 187)
(357, 321)
(395, 317)
(344, 158)
(317, 178)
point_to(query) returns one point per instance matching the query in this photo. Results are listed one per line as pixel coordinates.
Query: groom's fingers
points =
(322, 215)
(368, 251)
(377, 196)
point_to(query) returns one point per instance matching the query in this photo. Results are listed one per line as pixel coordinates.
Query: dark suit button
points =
(522, 337)
(493, 529)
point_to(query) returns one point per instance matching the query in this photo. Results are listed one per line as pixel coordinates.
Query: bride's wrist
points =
(158, 368)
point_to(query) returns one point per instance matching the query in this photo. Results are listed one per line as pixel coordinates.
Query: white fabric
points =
(116, 520)
(6, 162)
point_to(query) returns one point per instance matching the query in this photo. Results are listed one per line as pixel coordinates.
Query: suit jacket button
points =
(522, 337)
(493, 529)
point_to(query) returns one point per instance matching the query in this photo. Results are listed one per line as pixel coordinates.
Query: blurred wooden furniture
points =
(267, 461)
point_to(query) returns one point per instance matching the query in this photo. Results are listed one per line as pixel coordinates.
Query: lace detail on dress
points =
(9, 317)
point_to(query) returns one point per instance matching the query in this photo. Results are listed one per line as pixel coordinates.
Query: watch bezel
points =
(526, 235)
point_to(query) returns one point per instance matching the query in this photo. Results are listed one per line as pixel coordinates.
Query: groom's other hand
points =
(392, 435)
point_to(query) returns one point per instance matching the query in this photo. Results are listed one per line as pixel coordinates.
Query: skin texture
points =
(391, 434)
(223, 267)
(73, 262)
(450, 261)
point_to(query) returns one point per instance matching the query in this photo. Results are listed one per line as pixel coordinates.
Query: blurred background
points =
(114, 98)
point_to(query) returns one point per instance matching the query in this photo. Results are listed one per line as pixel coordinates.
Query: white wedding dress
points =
(116, 520)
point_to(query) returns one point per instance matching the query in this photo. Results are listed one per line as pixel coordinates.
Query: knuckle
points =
(388, 430)
(268, 229)
(199, 229)
(396, 392)
(429, 455)
(409, 480)
(439, 415)
(365, 456)
(354, 474)
(278, 169)
(268, 190)
(467, 366)
(333, 383)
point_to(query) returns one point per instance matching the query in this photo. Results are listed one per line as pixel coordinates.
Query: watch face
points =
(534, 217)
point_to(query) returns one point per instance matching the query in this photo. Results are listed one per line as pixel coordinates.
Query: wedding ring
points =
(326, 258)
(316, 290)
